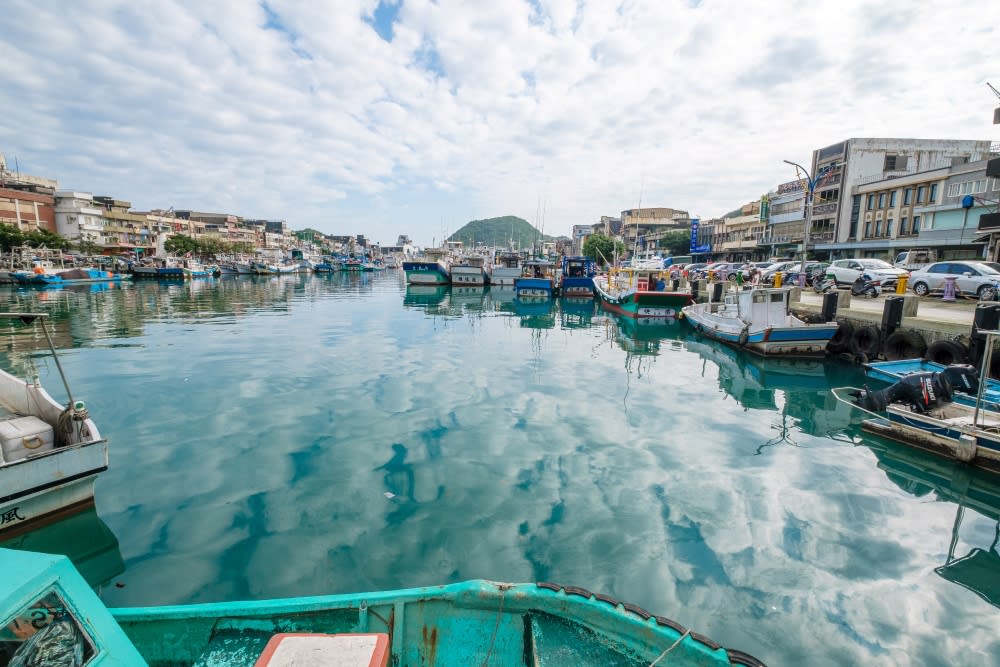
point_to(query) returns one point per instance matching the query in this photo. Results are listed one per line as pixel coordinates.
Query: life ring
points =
(904, 345)
(35, 439)
(946, 352)
(866, 341)
(841, 338)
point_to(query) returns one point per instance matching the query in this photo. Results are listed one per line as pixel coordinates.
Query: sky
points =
(414, 116)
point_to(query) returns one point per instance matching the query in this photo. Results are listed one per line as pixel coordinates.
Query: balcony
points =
(824, 209)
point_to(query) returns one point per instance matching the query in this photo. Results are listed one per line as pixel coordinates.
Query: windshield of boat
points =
(875, 264)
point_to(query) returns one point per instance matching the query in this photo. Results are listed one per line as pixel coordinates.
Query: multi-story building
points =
(580, 234)
(785, 219)
(78, 218)
(891, 214)
(124, 231)
(28, 207)
(643, 228)
(837, 213)
(951, 220)
(741, 234)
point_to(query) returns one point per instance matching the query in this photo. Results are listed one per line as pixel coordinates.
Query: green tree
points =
(43, 237)
(602, 248)
(676, 243)
(87, 246)
(10, 237)
(179, 244)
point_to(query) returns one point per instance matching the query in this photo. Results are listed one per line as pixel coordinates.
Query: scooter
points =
(824, 284)
(866, 286)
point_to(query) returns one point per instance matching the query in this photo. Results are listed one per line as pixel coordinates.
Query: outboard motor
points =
(921, 391)
(963, 378)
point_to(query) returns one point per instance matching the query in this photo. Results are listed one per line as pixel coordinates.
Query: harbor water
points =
(298, 435)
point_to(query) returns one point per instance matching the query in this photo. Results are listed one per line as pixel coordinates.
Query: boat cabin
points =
(578, 267)
(536, 268)
(763, 307)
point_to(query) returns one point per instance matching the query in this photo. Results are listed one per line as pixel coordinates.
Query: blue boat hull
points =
(577, 286)
(533, 287)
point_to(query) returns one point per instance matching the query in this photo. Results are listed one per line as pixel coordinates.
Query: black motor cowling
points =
(921, 391)
(963, 378)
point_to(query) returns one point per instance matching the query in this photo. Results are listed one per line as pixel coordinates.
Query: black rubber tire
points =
(987, 293)
(841, 340)
(995, 365)
(904, 345)
(921, 289)
(946, 352)
(867, 340)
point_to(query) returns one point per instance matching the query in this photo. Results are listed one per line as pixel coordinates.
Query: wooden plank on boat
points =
(340, 650)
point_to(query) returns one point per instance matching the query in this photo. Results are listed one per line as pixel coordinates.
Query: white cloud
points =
(304, 112)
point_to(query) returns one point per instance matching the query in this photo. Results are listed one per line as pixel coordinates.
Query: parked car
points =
(694, 271)
(915, 259)
(846, 271)
(970, 278)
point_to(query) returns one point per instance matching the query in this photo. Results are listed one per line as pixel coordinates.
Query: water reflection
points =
(925, 475)
(535, 312)
(426, 297)
(576, 312)
(84, 538)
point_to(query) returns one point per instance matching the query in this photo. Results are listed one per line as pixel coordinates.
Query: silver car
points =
(846, 271)
(978, 278)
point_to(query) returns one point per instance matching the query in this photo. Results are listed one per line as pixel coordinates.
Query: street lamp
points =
(808, 217)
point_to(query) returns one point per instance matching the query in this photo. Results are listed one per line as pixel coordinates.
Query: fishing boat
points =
(50, 454)
(506, 269)
(919, 411)
(964, 392)
(433, 269)
(632, 292)
(758, 320)
(67, 277)
(470, 270)
(53, 618)
(537, 279)
(577, 278)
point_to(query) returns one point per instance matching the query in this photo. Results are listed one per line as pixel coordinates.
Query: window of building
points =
(894, 163)
(892, 198)
(916, 224)
(881, 200)
(878, 228)
(902, 225)
(959, 159)
(921, 193)
(888, 227)
(907, 196)
(871, 202)
(868, 228)
(932, 195)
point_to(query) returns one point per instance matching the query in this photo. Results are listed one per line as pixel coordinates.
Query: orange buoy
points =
(39, 270)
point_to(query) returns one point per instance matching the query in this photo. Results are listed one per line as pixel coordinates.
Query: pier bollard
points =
(675, 284)
(695, 285)
(892, 314)
(717, 289)
(985, 318)
(949, 289)
(829, 311)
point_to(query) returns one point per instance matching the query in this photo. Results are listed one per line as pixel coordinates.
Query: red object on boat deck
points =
(340, 650)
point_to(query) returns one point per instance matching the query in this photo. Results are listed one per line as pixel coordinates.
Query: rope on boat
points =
(496, 627)
(852, 403)
(672, 647)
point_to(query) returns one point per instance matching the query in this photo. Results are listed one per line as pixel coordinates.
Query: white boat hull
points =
(505, 276)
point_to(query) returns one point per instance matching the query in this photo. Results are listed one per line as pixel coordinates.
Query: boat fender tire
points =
(866, 341)
(744, 337)
(842, 338)
(946, 352)
(995, 365)
(860, 359)
(904, 345)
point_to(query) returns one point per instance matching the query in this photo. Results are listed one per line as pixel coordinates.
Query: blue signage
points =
(695, 248)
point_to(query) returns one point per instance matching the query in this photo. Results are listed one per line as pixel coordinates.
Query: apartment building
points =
(785, 214)
(837, 210)
(28, 207)
(642, 228)
(78, 217)
(954, 220)
(892, 213)
(741, 234)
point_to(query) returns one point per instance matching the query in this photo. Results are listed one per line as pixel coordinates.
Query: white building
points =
(837, 209)
(78, 218)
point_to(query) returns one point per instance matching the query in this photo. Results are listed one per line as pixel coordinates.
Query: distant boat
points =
(577, 277)
(50, 454)
(67, 277)
(433, 269)
(470, 270)
(537, 279)
(632, 293)
(469, 623)
(758, 320)
(506, 269)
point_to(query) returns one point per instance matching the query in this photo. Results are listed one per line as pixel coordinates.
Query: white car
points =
(977, 278)
(846, 271)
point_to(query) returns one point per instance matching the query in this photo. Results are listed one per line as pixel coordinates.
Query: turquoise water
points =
(300, 435)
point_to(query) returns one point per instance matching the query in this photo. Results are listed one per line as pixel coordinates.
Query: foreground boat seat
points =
(341, 650)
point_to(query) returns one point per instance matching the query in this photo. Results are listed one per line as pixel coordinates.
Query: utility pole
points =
(807, 215)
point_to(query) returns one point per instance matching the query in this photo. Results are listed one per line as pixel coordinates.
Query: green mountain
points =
(497, 232)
